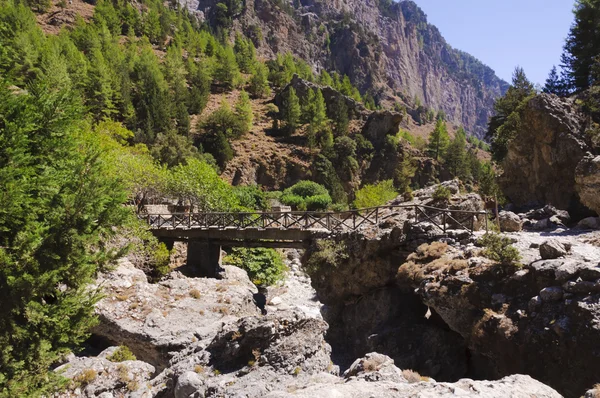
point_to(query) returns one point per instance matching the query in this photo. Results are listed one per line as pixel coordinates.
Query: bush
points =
(375, 195)
(123, 353)
(318, 202)
(307, 195)
(442, 194)
(327, 256)
(264, 266)
(251, 197)
(499, 248)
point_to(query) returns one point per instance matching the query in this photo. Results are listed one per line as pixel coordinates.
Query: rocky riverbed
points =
(396, 311)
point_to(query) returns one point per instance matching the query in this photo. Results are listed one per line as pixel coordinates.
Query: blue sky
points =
(505, 33)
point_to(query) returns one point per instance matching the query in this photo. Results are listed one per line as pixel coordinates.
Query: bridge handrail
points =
(365, 209)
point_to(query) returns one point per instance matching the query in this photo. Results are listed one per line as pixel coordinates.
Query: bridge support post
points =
(204, 257)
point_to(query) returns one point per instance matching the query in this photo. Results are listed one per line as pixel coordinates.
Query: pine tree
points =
(245, 54)
(554, 84)
(227, 72)
(151, 98)
(582, 46)
(291, 111)
(404, 173)
(504, 125)
(456, 156)
(176, 76)
(439, 140)
(99, 91)
(259, 83)
(340, 116)
(243, 110)
(199, 80)
(325, 79)
(59, 203)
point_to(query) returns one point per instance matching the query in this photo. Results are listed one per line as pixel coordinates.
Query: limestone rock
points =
(97, 375)
(188, 383)
(550, 294)
(517, 386)
(541, 160)
(587, 177)
(552, 249)
(510, 222)
(154, 319)
(589, 223)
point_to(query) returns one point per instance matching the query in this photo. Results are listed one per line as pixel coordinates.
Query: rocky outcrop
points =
(587, 178)
(545, 314)
(540, 165)
(391, 52)
(155, 319)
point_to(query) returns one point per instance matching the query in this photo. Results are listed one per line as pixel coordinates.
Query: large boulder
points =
(552, 249)
(541, 160)
(587, 177)
(510, 222)
(155, 319)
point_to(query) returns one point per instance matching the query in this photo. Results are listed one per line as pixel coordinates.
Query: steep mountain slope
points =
(389, 51)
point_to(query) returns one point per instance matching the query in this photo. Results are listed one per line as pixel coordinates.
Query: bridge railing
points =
(351, 220)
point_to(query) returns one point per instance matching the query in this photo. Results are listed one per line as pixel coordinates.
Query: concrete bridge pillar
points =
(204, 257)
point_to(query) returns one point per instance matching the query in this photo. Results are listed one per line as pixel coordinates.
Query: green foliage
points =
(245, 54)
(326, 256)
(375, 195)
(439, 140)
(307, 195)
(326, 174)
(404, 173)
(582, 46)
(499, 248)
(226, 71)
(339, 114)
(504, 126)
(198, 184)
(456, 156)
(251, 197)
(57, 207)
(265, 267)
(243, 111)
(488, 185)
(555, 84)
(220, 127)
(172, 149)
(291, 111)
(121, 354)
(259, 83)
(441, 193)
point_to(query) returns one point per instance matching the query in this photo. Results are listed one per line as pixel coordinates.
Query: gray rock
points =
(517, 386)
(375, 367)
(581, 287)
(552, 293)
(102, 375)
(562, 270)
(187, 384)
(589, 223)
(155, 319)
(552, 249)
(509, 222)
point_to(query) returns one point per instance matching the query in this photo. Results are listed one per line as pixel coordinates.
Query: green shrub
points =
(307, 195)
(328, 255)
(499, 248)
(160, 258)
(264, 266)
(293, 200)
(442, 193)
(375, 195)
(123, 353)
(318, 202)
(251, 197)
(306, 189)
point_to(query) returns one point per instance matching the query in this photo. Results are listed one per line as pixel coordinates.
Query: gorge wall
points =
(390, 51)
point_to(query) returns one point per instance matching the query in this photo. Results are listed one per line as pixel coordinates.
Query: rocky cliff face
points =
(391, 52)
(542, 158)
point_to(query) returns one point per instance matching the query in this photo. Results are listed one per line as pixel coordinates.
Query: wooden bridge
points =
(207, 232)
